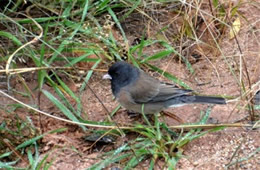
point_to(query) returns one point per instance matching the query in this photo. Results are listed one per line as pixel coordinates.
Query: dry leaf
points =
(235, 28)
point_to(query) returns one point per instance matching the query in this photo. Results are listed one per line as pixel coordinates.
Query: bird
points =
(139, 92)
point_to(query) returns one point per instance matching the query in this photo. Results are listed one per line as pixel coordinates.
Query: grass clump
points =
(155, 143)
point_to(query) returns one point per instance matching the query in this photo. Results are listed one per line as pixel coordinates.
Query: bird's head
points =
(121, 74)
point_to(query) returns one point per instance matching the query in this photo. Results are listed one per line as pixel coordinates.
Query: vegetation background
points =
(58, 113)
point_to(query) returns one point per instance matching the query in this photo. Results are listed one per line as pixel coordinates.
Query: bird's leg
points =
(173, 116)
(136, 116)
(132, 114)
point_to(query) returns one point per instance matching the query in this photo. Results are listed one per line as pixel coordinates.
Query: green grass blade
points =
(31, 141)
(42, 162)
(62, 107)
(113, 158)
(11, 37)
(68, 90)
(82, 58)
(169, 76)
(58, 89)
(205, 118)
(133, 7)
(85, 11)
(89, 74)
(157, 56)
(117, 23)
(58, 51)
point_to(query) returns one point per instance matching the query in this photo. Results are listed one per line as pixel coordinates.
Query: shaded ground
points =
(68, 150)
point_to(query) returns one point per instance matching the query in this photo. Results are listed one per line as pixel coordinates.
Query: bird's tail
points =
(209, 100)
(189, 99)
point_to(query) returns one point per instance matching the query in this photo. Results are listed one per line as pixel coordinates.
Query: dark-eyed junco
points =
(133, 88)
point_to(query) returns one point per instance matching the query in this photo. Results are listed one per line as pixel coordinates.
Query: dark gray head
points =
(121, 74)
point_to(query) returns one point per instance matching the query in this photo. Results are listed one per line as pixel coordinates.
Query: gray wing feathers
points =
(156, 91)
(169, 91)
(143, 92)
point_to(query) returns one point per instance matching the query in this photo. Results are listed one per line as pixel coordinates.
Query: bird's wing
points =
(144, 89)
(168, 91)
(148, 89)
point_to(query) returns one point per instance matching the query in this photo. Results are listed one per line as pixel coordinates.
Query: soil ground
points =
(69, 150)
